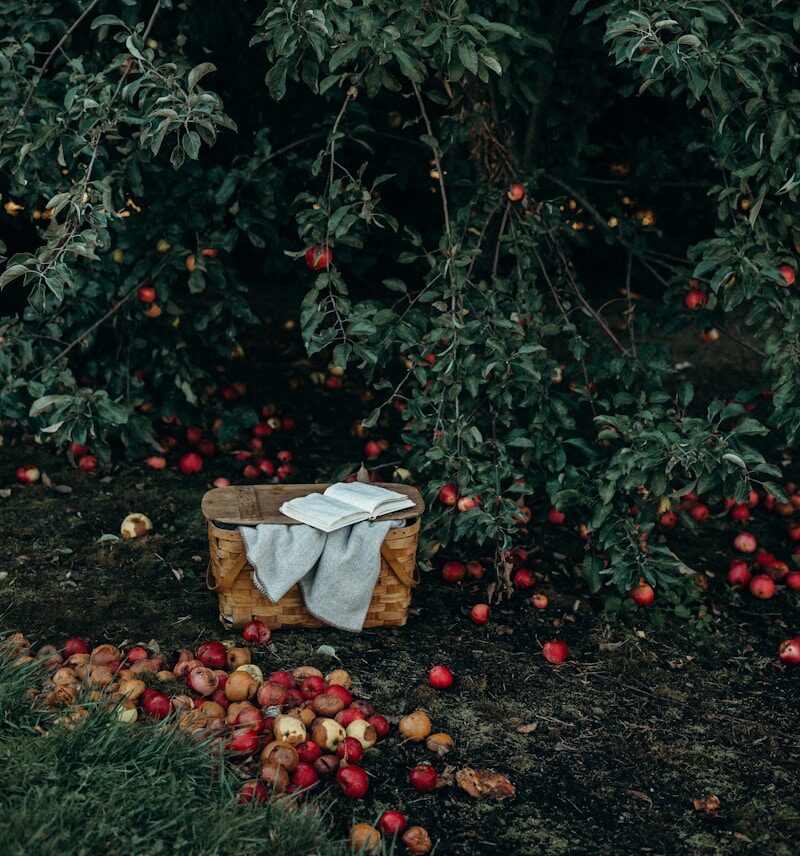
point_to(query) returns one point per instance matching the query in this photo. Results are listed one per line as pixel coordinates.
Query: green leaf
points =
(408, 66)
(276, 79)
(199, 72)
(191, 144)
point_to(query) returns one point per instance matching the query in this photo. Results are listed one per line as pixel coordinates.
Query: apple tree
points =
(440, 165)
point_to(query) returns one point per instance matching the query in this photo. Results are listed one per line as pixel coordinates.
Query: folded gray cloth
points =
(336, 571)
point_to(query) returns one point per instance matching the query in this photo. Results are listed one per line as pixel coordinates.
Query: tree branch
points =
(600, 220)
(49, 58)
(436, 160)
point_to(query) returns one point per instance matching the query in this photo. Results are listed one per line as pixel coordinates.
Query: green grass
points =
(111, 788)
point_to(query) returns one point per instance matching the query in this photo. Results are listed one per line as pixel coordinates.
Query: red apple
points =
(789, 651)
(319, 258)
(87, 464)
(738, 573)
(147, 294)
(668, 519)
(453, 572)
(372, 449)
(793, 580)
(244, 744)
(257, 632)
(776, 570)
(392, 823)
(313, 686)
(353, 781)
(787, 273)
(740, 513)
(465, 503)
(423, 777)
(523, 578)
(555, 651)
(380, 724)
(350, 750)
(440, 678)
(348, 715)
(156, 704)
(480, 613)
(213, 655)
(539, 601)
(695, 299)
(515, 192)
(764, 558)
(744, 542)
(555, 517)
(448, 494)
(156, 462)
(308, 751)
(643, 594)
(700, 512)
(762, 586)
(253, 791)
(304, 775)
(474, 569)
(190, 463)
(75, 645)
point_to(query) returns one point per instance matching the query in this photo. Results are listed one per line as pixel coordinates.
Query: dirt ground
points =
(607, 752)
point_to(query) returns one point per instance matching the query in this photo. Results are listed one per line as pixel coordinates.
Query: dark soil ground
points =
(607, 752)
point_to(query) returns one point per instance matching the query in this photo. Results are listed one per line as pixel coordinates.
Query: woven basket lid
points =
(248, 505)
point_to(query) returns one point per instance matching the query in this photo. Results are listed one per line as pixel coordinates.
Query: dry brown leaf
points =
(445, 778)
(484, 784)
(708, 804)
(51, 485)
(528, 729)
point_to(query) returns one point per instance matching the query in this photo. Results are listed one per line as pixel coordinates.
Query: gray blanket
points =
(337, 571)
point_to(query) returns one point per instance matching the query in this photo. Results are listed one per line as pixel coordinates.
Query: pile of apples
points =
(287, 731)
(255, 463)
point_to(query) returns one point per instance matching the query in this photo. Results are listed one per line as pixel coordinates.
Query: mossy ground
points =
(607, 751)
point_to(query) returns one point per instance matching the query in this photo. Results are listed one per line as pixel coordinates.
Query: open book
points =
(344, 504)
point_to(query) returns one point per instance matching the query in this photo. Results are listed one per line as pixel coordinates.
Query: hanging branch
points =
(436, 160)
(600, 220)
(49, 58)
(629, 312)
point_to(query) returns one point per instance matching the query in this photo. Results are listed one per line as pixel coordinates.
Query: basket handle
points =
(222, 583)
(407, 580)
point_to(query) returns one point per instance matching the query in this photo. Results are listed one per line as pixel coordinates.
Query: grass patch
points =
(106, 787)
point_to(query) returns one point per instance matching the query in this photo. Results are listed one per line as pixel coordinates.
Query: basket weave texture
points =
(231, 575)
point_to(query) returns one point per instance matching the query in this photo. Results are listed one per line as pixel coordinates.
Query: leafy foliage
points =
(473, 315)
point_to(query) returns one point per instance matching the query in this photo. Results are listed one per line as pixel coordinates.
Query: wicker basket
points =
(231, 576)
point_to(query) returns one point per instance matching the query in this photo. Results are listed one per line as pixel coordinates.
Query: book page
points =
(367, 497)
(318, 507)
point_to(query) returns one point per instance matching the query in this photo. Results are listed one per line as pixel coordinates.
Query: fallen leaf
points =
(484, 784)
(708, 804)
(5, 492)
(58, 488)
(528, 729)
(445, 778)
(327, 651)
